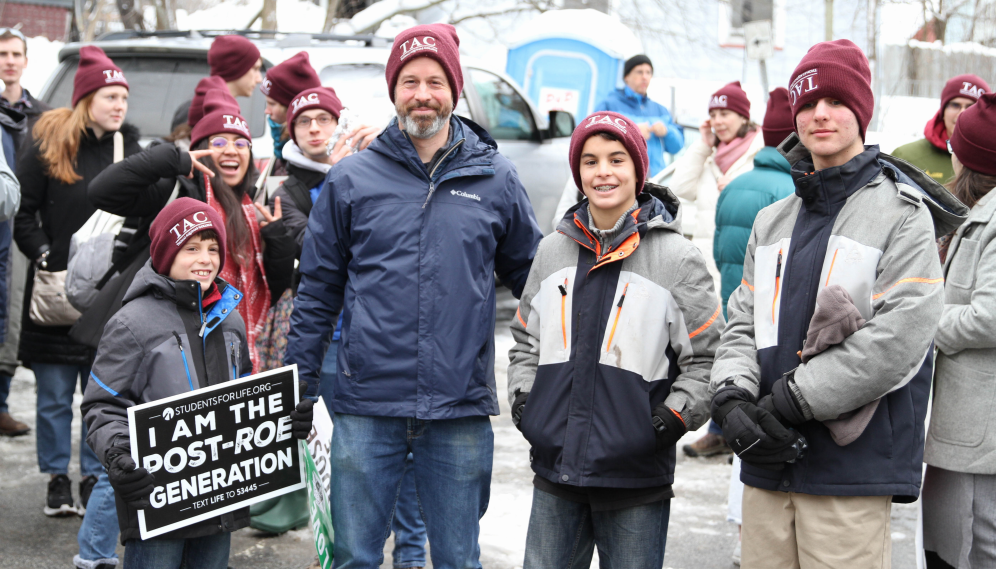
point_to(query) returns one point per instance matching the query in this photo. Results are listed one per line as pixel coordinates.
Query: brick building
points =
(49, 18)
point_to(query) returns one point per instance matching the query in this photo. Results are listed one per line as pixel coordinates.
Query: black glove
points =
(782, 404)
(134, 485)
(754, 434)
(669, 426)
(302, 416)
(518, 406)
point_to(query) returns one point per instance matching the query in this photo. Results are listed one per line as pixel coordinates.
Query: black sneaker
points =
(60, 497)
(86, 488)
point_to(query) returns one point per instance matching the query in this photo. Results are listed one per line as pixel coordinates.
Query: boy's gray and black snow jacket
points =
(151, 349)
(602, 337)
(868, 225)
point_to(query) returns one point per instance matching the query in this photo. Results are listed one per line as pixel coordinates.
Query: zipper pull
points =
(778, 269)
(179, 343)
(206, 324)
(235, 366)
(621, 299)
(778, 279)
(563, 291)
(432, 188)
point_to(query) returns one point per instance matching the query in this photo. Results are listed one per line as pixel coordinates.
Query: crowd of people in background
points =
(829, 295)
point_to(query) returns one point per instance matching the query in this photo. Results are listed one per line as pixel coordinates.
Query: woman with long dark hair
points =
(959, 486)
(218, 170)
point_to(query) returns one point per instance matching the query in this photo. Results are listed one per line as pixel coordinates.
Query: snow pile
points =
(43, 57)
(292, 16)
(959, 47)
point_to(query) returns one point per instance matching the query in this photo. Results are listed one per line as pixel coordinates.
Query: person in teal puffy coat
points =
(749, 193)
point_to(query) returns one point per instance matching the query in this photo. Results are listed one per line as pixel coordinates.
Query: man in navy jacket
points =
(405, 239)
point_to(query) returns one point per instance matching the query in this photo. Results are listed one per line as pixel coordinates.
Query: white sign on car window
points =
(553, 99)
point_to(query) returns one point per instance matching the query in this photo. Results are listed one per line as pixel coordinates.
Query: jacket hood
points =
(474, 147)
(769, 157)
(914, 186)
(659, 208)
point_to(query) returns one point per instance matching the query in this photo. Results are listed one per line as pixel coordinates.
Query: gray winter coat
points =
(150, 350)
(960, 437)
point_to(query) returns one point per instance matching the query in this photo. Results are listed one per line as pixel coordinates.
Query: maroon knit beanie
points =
(778, 120)
(323, 98)
(974, 138)
(438, 41)
(96, 70)
(731, 97)
(221, 115)
(178, 222)
(838, 70)
(622, 128)
(289, 78)
(231, 57)
(196, 111)
(968, 86)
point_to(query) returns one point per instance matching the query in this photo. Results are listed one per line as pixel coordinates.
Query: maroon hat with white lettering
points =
(968, 86)
(221, 115)
(618, 126)
(196, 111)
(438, 41)
(323, 98)
(973, 138)
(178, 222)
(838, 70)
(289, 78)
(778, 121)
(95, 70)
(231, 57)
(731, 97)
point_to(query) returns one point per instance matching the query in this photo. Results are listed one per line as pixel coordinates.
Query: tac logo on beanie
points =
(718, 101)
(114, 76)
(805, 83)
(972, 90)
(264, 87)
(308, 100)
(235, 122)
(618, 122)
(194, 223)
(415, 45)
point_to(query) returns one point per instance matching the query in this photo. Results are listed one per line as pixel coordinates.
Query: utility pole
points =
(828, 33)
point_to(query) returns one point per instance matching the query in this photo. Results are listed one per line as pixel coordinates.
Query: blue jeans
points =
(564, 534)
(56, 386)
(452, 466)
(209, 552)
(98, 535)
(4, 391)
(409, 530)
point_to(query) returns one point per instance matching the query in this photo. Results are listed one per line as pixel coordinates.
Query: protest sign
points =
(319, 478)
(217, 449)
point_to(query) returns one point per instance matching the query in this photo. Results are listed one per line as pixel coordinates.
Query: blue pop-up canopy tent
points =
(571, 60)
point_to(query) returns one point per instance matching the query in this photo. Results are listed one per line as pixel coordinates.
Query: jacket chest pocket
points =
(961, 271)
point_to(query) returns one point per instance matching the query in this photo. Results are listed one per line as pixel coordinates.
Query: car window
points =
(362, 89)
(157, 88)
(507, 112)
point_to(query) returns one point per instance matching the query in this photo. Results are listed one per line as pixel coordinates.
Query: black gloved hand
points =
(518, 406)
(782, 404)
(302, 416)
(759, 438)
(669, 426)
(134, 485)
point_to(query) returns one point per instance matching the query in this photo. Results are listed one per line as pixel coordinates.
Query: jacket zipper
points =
(618, 312)
(778, 282)
(183, 355)
(235, 366)
(563, 310)
(432, 186)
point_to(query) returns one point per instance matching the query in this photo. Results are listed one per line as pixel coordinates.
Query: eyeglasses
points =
(220, 143)
(324, 120)
(14, 32)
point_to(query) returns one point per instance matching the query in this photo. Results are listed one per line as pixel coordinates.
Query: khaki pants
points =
(784, 530)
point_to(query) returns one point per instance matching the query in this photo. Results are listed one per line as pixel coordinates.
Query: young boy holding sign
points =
(178, 331)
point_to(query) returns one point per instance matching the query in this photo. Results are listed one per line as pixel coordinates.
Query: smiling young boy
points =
(178, 331)
(865, 221)
(616, 331)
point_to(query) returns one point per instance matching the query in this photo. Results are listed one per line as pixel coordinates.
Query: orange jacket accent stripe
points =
(830, 272)
(708, 323)
(908, 280)
(747, 284)
(519, 316)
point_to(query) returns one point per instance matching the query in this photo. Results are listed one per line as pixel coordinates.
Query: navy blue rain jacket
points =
(411, 259)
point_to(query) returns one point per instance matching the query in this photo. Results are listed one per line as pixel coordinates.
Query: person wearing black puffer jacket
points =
(71, 146)
(218, 170)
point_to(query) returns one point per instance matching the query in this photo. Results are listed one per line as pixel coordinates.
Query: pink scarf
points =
(729, 152)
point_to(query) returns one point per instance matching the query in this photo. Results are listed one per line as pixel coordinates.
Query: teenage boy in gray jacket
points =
(867, 222)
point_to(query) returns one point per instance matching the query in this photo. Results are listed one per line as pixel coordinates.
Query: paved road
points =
(698, 538)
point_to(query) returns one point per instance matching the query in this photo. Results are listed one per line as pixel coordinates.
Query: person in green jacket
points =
(931, 154)
(751, 192)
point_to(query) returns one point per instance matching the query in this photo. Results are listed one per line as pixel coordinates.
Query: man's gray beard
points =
(422, 130)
